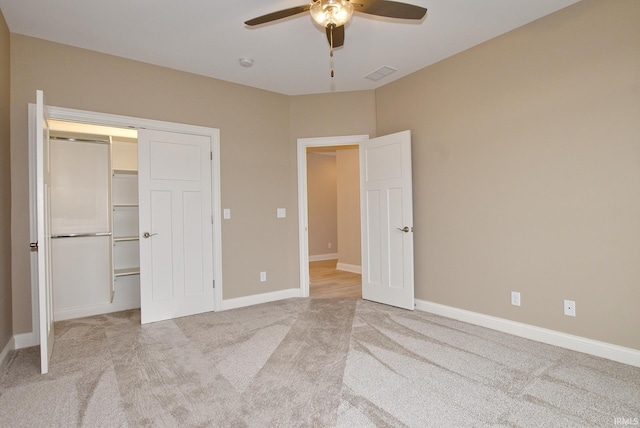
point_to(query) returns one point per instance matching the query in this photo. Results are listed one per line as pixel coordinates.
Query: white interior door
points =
(176, 231)
(43, 202)
(387, 220)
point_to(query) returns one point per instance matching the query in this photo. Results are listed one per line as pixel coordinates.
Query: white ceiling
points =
(291, 56)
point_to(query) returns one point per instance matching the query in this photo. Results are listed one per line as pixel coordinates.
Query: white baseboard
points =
(25, 340)
(576, 343)
(349, 268)
(4, 355)
(321, 257)
(88, 311)
(256, 299)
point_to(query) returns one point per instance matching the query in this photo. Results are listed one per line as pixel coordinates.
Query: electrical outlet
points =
(329, 245)
(515, 298)
(570, 308)
(263, 277)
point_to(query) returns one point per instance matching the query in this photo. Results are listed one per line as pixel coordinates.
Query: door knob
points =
(148, 235)
(404, 229)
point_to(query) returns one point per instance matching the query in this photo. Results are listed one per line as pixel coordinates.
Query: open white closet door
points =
(176, 231)
(43, 245)
(386, 202)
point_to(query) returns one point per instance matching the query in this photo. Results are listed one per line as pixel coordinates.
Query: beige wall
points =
(526, 160)
(336, 114)
(322, 204)
(348, 197)
(6, 327)
(257, 167)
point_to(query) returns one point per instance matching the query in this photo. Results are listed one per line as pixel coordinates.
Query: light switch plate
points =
(281, 212)
(515, 298)
(226, 213)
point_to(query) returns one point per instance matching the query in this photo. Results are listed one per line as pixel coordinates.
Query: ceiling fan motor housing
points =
(331, 12)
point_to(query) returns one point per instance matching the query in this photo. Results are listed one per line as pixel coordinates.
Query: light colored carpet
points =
(309, 362)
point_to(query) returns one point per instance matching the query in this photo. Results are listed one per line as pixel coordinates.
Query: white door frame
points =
(105, 119)
(303, 217)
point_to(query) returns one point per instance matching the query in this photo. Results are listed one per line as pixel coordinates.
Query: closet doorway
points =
(95, 262)
(171, 153)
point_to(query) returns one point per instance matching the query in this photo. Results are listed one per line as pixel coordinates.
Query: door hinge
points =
(211, 155)
(214, 283)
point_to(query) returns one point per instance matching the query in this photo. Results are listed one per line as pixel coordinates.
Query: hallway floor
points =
(328, 282)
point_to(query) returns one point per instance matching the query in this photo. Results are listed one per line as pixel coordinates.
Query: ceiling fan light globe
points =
(331, 12)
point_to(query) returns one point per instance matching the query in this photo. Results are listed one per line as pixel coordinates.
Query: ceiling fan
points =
(334, 14)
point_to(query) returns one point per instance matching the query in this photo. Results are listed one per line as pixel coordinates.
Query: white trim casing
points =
(256, 299)
(89, 311)
(551, 337)
(26, 340)
(216, 209)
(303, 218)
(349, 268)
(322, 257)
(4, 355)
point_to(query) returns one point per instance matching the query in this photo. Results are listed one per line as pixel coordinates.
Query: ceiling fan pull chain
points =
(331, 27)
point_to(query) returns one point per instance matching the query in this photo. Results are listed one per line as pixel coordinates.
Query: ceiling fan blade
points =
(390, 9)
(285, 13)
(338, 36)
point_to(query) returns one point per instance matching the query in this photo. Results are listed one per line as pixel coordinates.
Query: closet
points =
(94, 220)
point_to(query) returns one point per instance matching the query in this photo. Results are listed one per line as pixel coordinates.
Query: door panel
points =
(396, 240)
(193, 233)
(176, 259)
(383, 162)
(161, 245)
(387, 220)
(174, 161)
(43, 202)
(373, 267)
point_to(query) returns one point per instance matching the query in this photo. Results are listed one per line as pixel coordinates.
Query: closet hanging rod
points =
(79, 235)
(81, 140)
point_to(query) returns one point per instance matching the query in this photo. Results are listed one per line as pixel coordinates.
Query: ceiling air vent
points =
(380, 73)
